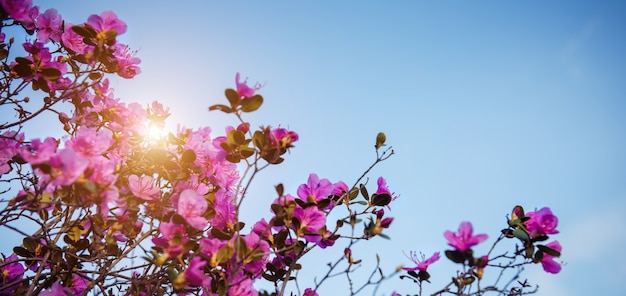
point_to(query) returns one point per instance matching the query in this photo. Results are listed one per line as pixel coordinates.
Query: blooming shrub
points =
(106, 191)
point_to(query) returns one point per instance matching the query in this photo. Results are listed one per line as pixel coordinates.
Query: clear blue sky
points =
(488, 104)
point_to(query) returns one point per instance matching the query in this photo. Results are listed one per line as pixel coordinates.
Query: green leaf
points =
(364, 192)
(549, 251)
(455, 256)
(233, 97)
(280, 189)
(219, 234)
(22, 252)
(381, 199)
(188, 156)
(51, 74)
(222, 108)
(252, 103)
(85, 31)
(521, 234)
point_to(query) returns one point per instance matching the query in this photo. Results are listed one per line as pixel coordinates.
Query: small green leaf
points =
(188, 156)
(521, 234)
(455, 256)
(222, 108)
(233, 97)
(51, 74)
(252, 103)
(381, 199)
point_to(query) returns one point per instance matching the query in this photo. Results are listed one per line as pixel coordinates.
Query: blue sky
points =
(488, 104)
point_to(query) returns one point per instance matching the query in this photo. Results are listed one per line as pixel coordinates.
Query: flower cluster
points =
(107, 190)
(530, 228)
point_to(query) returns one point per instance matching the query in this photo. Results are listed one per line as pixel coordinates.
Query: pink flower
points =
(311, 220)
(49, 26)
(9, 146)
(225, 211)
(21, 11)
(542, 222)
(172, 239)
(90, 142)
(309, 292)
(11, 270)
(382, 186)
(106, 22)
(283, 138)
(38, 152)
(144, 187)
(67, 166)
(74, 41)
(57, 290)
(315, 189)
(243, 89)
(194, 275)
(421, 264)
(547, 262)
(192, 206)
(126, 61)
(465, 238)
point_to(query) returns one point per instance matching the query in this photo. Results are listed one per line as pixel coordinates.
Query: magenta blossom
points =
(192, 206)
(547, 262)
(11, 271)
(144, 187)
(542, 222)
(309, 292)
(315, 189)
(106, 22)
(49, 26)
(421, 264)
(22, 11)
(194, 275)
(311, 220)
(243, 89)
(67, 166)
(465, 239)
(382, 186)
(38, 152)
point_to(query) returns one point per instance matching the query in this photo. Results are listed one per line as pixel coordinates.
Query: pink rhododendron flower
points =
(382, 186)
(311, 219)
(90, 142)
(225, 210)
(283, 138)
(49, 26)
(172, 239)
(106, 22)
(194, 275)
(243, 89)
(242, 286)
(9, 145)
(309, 292)
(542, 222)
(144, 187)
(126, 61)
(38, 152)
(66, 166)
(315, 189)
(56, 290)
(421, 264)
(11, 270)
(22, 11)
(192, 206)
(465, 239)
(547, 262)
(74, 41)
